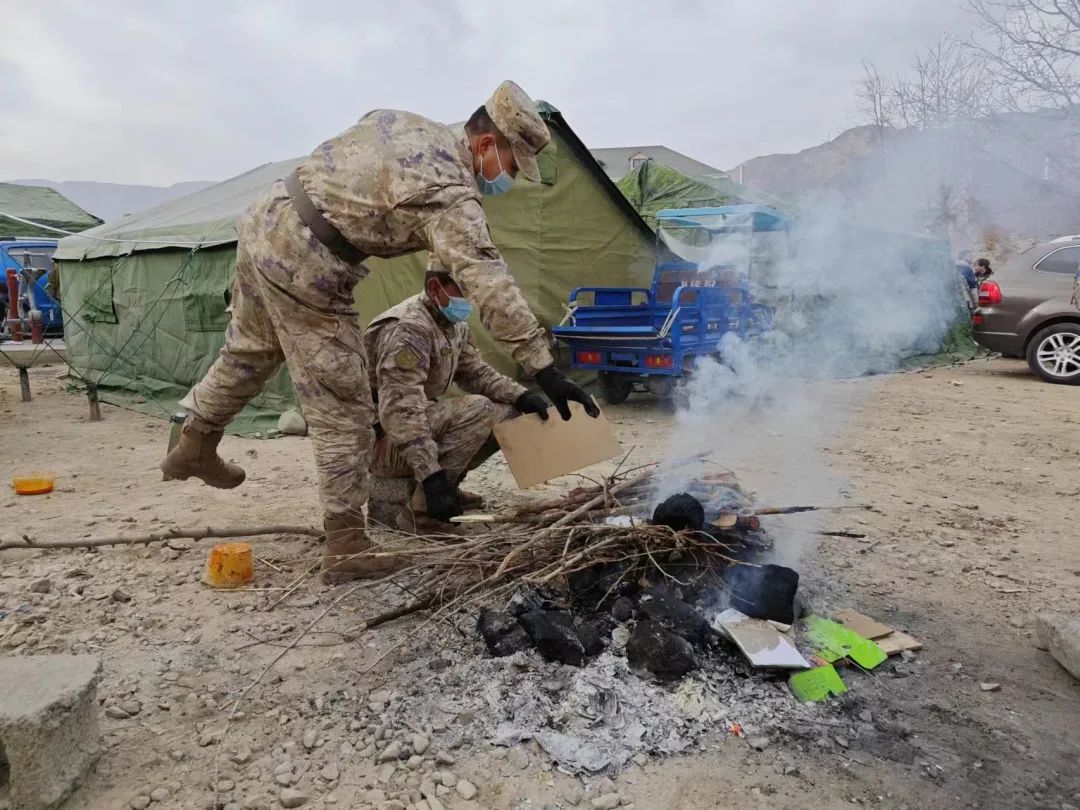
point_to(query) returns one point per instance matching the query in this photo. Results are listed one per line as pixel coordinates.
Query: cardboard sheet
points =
(897, 641)
(538, 451)
(862, 624)
(759, 641)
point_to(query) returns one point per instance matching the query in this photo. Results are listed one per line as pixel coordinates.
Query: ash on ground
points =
(595, 718)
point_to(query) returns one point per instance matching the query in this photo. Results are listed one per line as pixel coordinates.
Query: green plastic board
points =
(817, 684)
(832, 641)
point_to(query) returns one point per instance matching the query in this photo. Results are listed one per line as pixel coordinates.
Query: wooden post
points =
(24, 383)
(95, 407)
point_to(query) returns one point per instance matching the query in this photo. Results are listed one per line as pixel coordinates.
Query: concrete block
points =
(292, 423)
(1061, 636)
(49, 734)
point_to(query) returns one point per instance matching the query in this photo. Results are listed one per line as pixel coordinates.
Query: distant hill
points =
(114, 201)
(1015, 173)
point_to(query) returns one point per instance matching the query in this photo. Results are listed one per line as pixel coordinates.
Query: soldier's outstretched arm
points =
(474, 376)
(459, 241)
(401, 368)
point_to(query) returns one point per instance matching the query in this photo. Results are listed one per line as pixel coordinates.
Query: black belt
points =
(321, 228)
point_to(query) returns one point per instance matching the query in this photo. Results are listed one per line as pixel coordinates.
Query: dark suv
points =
(1030, 310)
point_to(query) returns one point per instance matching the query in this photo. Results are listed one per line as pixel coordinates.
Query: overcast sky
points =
(158, 92)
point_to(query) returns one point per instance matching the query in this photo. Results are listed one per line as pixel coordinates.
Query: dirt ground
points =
(974, 475)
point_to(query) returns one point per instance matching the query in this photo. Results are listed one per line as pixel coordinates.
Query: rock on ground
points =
(290, 797)
(292, 423)
(1061, 636)
(467, 790)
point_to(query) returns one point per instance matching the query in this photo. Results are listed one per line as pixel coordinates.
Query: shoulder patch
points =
(406, 359)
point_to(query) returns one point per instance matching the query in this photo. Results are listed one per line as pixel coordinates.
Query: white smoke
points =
(849, 302)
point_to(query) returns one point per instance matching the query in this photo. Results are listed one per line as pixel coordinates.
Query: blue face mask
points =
(457, 310)
(500, 185)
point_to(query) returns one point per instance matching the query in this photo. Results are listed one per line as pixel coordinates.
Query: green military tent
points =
(652, 187)
(45, 206)
(145, 298)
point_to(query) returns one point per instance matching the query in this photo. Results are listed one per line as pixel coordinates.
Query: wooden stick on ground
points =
(794, 510)
(167, 534)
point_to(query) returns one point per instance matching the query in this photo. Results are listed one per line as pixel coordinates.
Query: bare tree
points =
(874, 97)
(949, 83)
(945, 95)
(1032, 49)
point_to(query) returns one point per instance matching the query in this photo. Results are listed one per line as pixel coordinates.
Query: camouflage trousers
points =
(461, 427)
(292, 304)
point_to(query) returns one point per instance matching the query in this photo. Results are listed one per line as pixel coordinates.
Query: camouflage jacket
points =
(413, 356)
(397, 183)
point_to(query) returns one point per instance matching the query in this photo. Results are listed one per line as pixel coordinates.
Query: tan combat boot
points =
(344, 539)
(195, 455)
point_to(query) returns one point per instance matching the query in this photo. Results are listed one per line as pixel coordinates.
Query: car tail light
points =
(989, 294)
(977, 319)
(589, 358)
(659, 361)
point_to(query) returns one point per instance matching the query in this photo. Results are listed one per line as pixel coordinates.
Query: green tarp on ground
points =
(43, 205)
(144, 317)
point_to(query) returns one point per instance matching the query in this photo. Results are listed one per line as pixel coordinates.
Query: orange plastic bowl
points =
(33, 484)
(229, 565)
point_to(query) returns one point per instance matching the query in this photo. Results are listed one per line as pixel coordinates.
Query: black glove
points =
(441, 496)
(532, 403)
(560, 389)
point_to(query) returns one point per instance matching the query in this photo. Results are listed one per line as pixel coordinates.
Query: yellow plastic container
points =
(38, 484)
(229, 565)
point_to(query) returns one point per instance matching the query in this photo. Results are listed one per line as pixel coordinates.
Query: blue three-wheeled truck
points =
(700, 292)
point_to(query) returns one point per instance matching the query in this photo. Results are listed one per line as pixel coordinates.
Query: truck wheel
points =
(615, 388)
(1054, 353)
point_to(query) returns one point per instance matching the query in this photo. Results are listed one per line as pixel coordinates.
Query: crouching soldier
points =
(415, 350)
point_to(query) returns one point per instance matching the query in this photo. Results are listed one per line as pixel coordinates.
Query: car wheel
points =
(1054, 353)
(615, 388)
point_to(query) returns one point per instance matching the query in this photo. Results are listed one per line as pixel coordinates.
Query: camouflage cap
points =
(515, 115)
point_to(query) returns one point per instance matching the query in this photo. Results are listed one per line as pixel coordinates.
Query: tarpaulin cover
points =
(652, 187)
(207, 217)
(40, 204)
(148, 320)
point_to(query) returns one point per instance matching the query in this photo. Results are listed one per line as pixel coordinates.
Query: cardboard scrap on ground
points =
(538, 451)
(897, 641)
(861, 624)
(816, 684)
(759, 641)
(833, 641)
(891, 641)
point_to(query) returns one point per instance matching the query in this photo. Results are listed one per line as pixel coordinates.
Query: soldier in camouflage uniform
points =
(414, 351)
(394, 183)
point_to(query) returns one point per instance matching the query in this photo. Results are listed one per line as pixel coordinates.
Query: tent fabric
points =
(205, 218)
(653, 186)
(147, 320)
(40, 204)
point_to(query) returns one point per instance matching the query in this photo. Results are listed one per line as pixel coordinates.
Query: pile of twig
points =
(540, 544)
